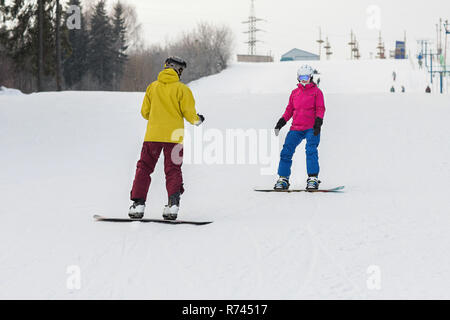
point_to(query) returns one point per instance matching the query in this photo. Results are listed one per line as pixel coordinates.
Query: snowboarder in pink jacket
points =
(306, 108)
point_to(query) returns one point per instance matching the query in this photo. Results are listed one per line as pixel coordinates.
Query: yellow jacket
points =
(167, 103)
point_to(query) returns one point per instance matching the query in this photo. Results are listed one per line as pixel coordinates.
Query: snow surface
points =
(67, 156)
(8, 91)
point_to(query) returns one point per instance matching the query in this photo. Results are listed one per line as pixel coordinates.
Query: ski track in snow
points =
(73, 154)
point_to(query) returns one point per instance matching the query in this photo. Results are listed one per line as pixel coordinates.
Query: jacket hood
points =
(308, 86)
(168, 76)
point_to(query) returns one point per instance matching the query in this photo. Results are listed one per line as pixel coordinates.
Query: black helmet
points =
(175, 63)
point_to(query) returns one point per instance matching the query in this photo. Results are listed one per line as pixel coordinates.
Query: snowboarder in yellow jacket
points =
(167, 103)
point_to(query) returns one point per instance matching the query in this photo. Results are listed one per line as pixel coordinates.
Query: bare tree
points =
(133, 27)
(223, 43)
(207, 49)
(142, 68)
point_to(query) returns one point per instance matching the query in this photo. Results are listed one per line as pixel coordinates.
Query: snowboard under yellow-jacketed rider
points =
(166, 104)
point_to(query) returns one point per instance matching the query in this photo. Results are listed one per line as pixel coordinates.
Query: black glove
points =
(281, 123)
(202, 118)
(317, 126)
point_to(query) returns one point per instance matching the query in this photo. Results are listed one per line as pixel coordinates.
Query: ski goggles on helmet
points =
(304, 77)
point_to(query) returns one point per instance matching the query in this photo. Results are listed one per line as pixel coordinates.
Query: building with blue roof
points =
(299, 55)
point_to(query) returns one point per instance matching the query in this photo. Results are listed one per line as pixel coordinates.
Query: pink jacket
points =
(305, 105)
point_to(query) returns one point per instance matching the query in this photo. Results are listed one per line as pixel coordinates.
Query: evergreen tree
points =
(34, 64)
(75, 62)
(58, 47)
(48, 45)
(101, 48)
(40, 45)
(119, 44)
(18, 42)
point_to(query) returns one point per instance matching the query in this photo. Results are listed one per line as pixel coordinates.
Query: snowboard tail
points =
(107, 219)
(333, 190)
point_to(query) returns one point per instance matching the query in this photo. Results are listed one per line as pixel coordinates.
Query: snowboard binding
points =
(171, 210)
(137, 209)
(312, 184)
(282, 184)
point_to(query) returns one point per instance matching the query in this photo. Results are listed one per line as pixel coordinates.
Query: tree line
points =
(41, 52)
(207, 49)
(48, 45)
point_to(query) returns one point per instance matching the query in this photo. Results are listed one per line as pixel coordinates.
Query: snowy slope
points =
(66, 156)
(362, 76)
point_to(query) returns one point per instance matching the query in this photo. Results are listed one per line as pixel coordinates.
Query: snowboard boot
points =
(137, 209)
(313, 183)
(171, 210)
(282, 184)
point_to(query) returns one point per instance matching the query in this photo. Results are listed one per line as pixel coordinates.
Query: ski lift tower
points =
(320, 42)
(447, 32)
(356, 49)
(381, 49)
(328, 49)
(352, 44)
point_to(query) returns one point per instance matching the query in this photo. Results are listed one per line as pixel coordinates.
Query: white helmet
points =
(305, 70)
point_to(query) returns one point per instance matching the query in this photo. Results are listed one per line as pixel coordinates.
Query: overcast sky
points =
(295, 23)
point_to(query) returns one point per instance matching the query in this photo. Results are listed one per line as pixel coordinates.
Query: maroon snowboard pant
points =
(173, 158)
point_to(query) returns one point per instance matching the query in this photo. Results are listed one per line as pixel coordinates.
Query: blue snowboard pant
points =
(293, 139)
